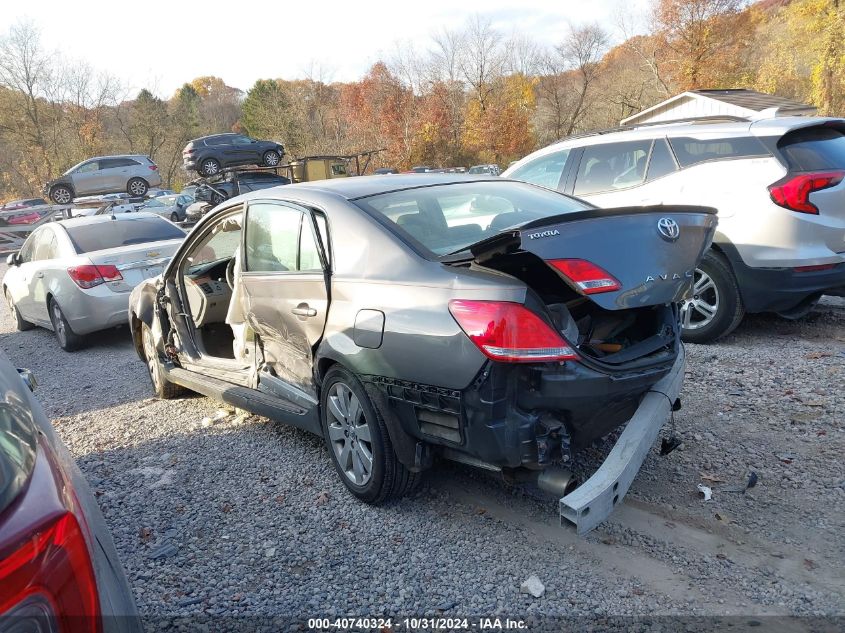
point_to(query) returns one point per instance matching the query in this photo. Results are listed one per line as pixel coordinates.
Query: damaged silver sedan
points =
(408, 319)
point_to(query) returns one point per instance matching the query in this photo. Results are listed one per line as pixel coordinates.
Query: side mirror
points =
(12, 259)
(28, 378)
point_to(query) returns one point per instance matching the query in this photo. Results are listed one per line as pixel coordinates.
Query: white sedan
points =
(74, 277)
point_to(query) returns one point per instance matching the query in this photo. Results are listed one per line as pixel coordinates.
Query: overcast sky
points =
(160, 45)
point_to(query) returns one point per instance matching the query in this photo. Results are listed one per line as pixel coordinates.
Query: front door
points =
(283, 284)
(87, 179)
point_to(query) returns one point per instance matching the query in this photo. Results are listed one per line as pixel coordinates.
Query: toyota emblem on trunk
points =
(668, 229)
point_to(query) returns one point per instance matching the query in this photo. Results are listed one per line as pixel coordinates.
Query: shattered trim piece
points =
(593, 501)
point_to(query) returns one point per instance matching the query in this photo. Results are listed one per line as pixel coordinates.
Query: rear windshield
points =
(814, 148)
(690, 151)
(449, 218)
(122, 232)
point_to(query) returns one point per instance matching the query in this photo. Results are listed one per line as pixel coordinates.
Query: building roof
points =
(738, 102)
(753, 100)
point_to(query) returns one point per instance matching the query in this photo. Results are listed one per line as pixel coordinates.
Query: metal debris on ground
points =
(707, 491)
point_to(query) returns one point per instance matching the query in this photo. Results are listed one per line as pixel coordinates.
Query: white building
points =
(737, 102)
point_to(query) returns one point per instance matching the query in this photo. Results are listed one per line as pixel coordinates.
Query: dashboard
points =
(208, 293)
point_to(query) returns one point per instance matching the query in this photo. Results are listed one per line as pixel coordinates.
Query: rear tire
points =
(715, 309)
(68, 340)
(137, 187)
(21, 324)
(209, 167)
(174, 217)
(355, 432)
(163, 389)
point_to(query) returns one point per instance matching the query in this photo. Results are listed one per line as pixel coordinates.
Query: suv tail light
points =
(153, 167)
(510, 332)
(49, 579)
(793, 191)
(587, 277)
(88, 275)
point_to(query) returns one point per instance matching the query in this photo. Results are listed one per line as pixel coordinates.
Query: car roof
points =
(88, 160)
(356, 187)
(203, 138)
(101, 219)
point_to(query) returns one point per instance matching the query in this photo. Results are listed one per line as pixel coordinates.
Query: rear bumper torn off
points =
(594, 500)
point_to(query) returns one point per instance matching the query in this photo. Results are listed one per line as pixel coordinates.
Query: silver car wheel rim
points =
(61, 196)
(150, 353)
(59, 324)
(209, 167)
(699, 310)
(349, 434)
(272, 159)
(136, 187)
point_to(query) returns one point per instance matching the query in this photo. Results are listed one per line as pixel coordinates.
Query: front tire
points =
(716, 308)
(61, 194)
(21, 324)
(163, 388)
(68, 340)
(137, 187)
(357, 439)
(174, 217)
(272, 158)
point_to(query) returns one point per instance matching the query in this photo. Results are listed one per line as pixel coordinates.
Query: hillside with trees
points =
(472, 95)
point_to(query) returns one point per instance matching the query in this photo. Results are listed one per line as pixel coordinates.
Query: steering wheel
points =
(230, 274)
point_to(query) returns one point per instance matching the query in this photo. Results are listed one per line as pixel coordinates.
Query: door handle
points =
(303, 310)
(39, 275)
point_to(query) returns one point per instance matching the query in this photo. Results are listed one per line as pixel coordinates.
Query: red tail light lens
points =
(509, 332)
(153, 167)
(88, 275)
(51, 573)
(793, 192)
(587, 277)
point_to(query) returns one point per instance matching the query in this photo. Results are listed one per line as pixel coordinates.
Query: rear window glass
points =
(691, 151)
(122, 232)
(449, 218)
(814, 148)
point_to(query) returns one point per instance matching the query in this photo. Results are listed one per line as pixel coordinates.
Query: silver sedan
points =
(74, 277)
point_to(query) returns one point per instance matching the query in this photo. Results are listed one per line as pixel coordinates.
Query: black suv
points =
(209, 154)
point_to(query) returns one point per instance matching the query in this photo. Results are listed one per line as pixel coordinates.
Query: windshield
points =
(124, 232)
(449, 218)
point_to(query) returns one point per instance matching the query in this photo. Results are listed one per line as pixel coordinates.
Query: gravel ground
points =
(246, 516)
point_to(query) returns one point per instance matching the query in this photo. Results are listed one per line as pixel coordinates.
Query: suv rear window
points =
(123, 232)
(814, 148)
(691, 151)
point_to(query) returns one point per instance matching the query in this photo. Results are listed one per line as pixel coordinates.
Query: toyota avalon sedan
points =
(74, 276)
(411, 318)
(59, 570)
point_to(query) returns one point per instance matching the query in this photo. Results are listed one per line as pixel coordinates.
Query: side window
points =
(691, 151)
(662, 162)
(28, 248)
(612, 166)
(279, 239)
(545, 171)
(110, 163)
(87, 167)
(240, 140)
(47, 247)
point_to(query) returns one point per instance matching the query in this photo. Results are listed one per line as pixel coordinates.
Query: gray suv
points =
(130, 173)
(209, 154)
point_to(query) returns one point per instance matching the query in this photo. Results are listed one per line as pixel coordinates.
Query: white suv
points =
(778, 185)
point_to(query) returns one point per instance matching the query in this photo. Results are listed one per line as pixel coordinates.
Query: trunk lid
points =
(651, 251)
(136, 262)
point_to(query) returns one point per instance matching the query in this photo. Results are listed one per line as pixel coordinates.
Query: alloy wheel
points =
(699, 310)
(271, 159)
(136, 188)
(349, 433)
(59, 324)
(210, 167)
(61, 196)
(152, 357)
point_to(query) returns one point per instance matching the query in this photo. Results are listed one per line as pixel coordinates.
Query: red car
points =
(59, 570)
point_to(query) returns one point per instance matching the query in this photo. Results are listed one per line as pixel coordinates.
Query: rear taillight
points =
(793, 191)
(49, 577)
(153, 167)
(510, 332)
(587, 277)
(814, 269)
(88, 275)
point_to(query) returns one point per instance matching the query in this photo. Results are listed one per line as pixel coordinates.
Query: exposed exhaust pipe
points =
(557, 481)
